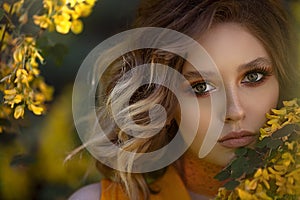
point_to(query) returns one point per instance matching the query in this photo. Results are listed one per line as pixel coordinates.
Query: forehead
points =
(229, 45)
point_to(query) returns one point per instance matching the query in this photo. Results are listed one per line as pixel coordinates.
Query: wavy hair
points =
(266, 20)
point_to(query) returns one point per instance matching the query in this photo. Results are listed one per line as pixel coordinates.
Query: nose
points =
(234, 110)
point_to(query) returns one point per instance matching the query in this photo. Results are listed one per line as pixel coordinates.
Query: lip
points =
(237, 139)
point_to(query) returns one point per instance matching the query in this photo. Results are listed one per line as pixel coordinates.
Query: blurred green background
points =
(31, 161)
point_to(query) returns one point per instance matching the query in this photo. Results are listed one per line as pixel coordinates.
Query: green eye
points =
(202, 88)
(253, 77)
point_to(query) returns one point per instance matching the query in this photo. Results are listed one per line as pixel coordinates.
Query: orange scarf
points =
(170, 184)
(199, 175)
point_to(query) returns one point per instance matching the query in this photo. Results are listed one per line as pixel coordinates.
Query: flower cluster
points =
(64, 15)
(272, 169)
(288, 114)
(22, 86)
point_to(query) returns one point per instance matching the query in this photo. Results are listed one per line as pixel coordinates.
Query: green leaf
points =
(284, 131)
(275, 144)
(263, 143)
(241, 151)
(231, 185)
(223, 175)
(238, 167)
(252, 154)
(294, 136)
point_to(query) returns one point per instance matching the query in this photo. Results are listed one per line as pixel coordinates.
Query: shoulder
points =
(91, 192)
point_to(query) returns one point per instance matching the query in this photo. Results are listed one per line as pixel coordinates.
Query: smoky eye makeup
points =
(202, 88)
(257, 72)
(199, 87)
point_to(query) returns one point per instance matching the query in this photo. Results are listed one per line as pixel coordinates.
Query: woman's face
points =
(250, 85)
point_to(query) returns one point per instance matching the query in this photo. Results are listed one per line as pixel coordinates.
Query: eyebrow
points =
(258, 62)
(196, 74)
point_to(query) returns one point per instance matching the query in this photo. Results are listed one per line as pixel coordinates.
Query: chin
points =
(220, 156)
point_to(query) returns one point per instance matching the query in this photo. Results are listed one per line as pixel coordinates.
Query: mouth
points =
(237, 139)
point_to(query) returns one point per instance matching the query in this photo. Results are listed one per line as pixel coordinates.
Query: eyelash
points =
(202, 94)
(264, 71)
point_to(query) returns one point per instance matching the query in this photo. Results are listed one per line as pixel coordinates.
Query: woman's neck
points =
(198, 176)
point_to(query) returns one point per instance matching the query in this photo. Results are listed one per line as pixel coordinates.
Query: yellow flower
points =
(62, 23)
(71, 3)
(35, 109)
(22, 76)
(18, 55)
(246, 195)
(10, 92)
(269, 116)
(297, 111)
(262, 175)
(250, 185)
(282, 168)
(261, 193)
(275, 127)
(83, 10)
(290, 103)
(18, 98)
(264, 132)
(44, 22)
(48, 5)
(273, 121)
(16, 7)
(282, 111)
(19, 112)
(77, 26)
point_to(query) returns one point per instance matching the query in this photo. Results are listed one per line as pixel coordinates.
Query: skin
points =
(249, 95)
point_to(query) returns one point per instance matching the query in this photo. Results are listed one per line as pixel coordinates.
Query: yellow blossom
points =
(71, 3)
(35, 109)
(251, 185)
(282, 168)
(77, 26)
(83, 10)
(279, 112)
(246, 195)
(272, 121)
(18, 98)
(10, 92)
(19, 112)
(290, 103)
(290, 145)
(44, 22)
(275, 127)
(62, 23)
(18, 55)
(269, 116)
(6, 7)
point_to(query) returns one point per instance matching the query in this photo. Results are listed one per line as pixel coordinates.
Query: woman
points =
(250, 43)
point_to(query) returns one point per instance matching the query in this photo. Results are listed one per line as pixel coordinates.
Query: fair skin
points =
(250, 93)
(251, 90)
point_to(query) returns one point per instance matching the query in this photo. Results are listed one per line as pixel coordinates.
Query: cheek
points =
(261, 101)
(191, 122)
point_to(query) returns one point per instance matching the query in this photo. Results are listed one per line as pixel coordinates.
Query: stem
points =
(5, 26)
